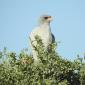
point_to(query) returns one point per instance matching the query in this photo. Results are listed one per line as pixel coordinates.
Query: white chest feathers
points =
(44, 32)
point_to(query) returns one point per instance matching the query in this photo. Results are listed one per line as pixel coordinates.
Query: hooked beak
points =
(50, 18)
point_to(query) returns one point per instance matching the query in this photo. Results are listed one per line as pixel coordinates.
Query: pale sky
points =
(19, 17)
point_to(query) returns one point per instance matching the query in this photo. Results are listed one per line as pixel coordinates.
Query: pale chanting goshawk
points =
(43, 30)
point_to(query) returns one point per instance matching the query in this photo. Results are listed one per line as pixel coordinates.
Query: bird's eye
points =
(45, 17)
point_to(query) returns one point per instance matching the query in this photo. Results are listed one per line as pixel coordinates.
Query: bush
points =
(51, 69)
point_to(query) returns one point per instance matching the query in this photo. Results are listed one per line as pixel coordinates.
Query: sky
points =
(19, 17)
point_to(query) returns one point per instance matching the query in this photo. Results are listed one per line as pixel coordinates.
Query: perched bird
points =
(43, 30)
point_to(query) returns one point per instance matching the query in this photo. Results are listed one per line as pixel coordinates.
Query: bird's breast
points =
(45, 35)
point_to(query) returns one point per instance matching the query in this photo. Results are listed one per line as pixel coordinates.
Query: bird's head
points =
(45, 19)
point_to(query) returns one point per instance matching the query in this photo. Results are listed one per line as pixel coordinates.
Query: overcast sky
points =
(19, 17)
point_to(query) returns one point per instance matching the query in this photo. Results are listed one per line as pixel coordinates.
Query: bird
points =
(43, 30)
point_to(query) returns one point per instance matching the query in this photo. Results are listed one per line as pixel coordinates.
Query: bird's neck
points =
(45, 25)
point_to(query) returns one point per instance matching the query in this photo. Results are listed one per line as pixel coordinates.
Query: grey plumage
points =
(53, 38)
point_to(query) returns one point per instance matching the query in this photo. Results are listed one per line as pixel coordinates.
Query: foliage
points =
(51, 69)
